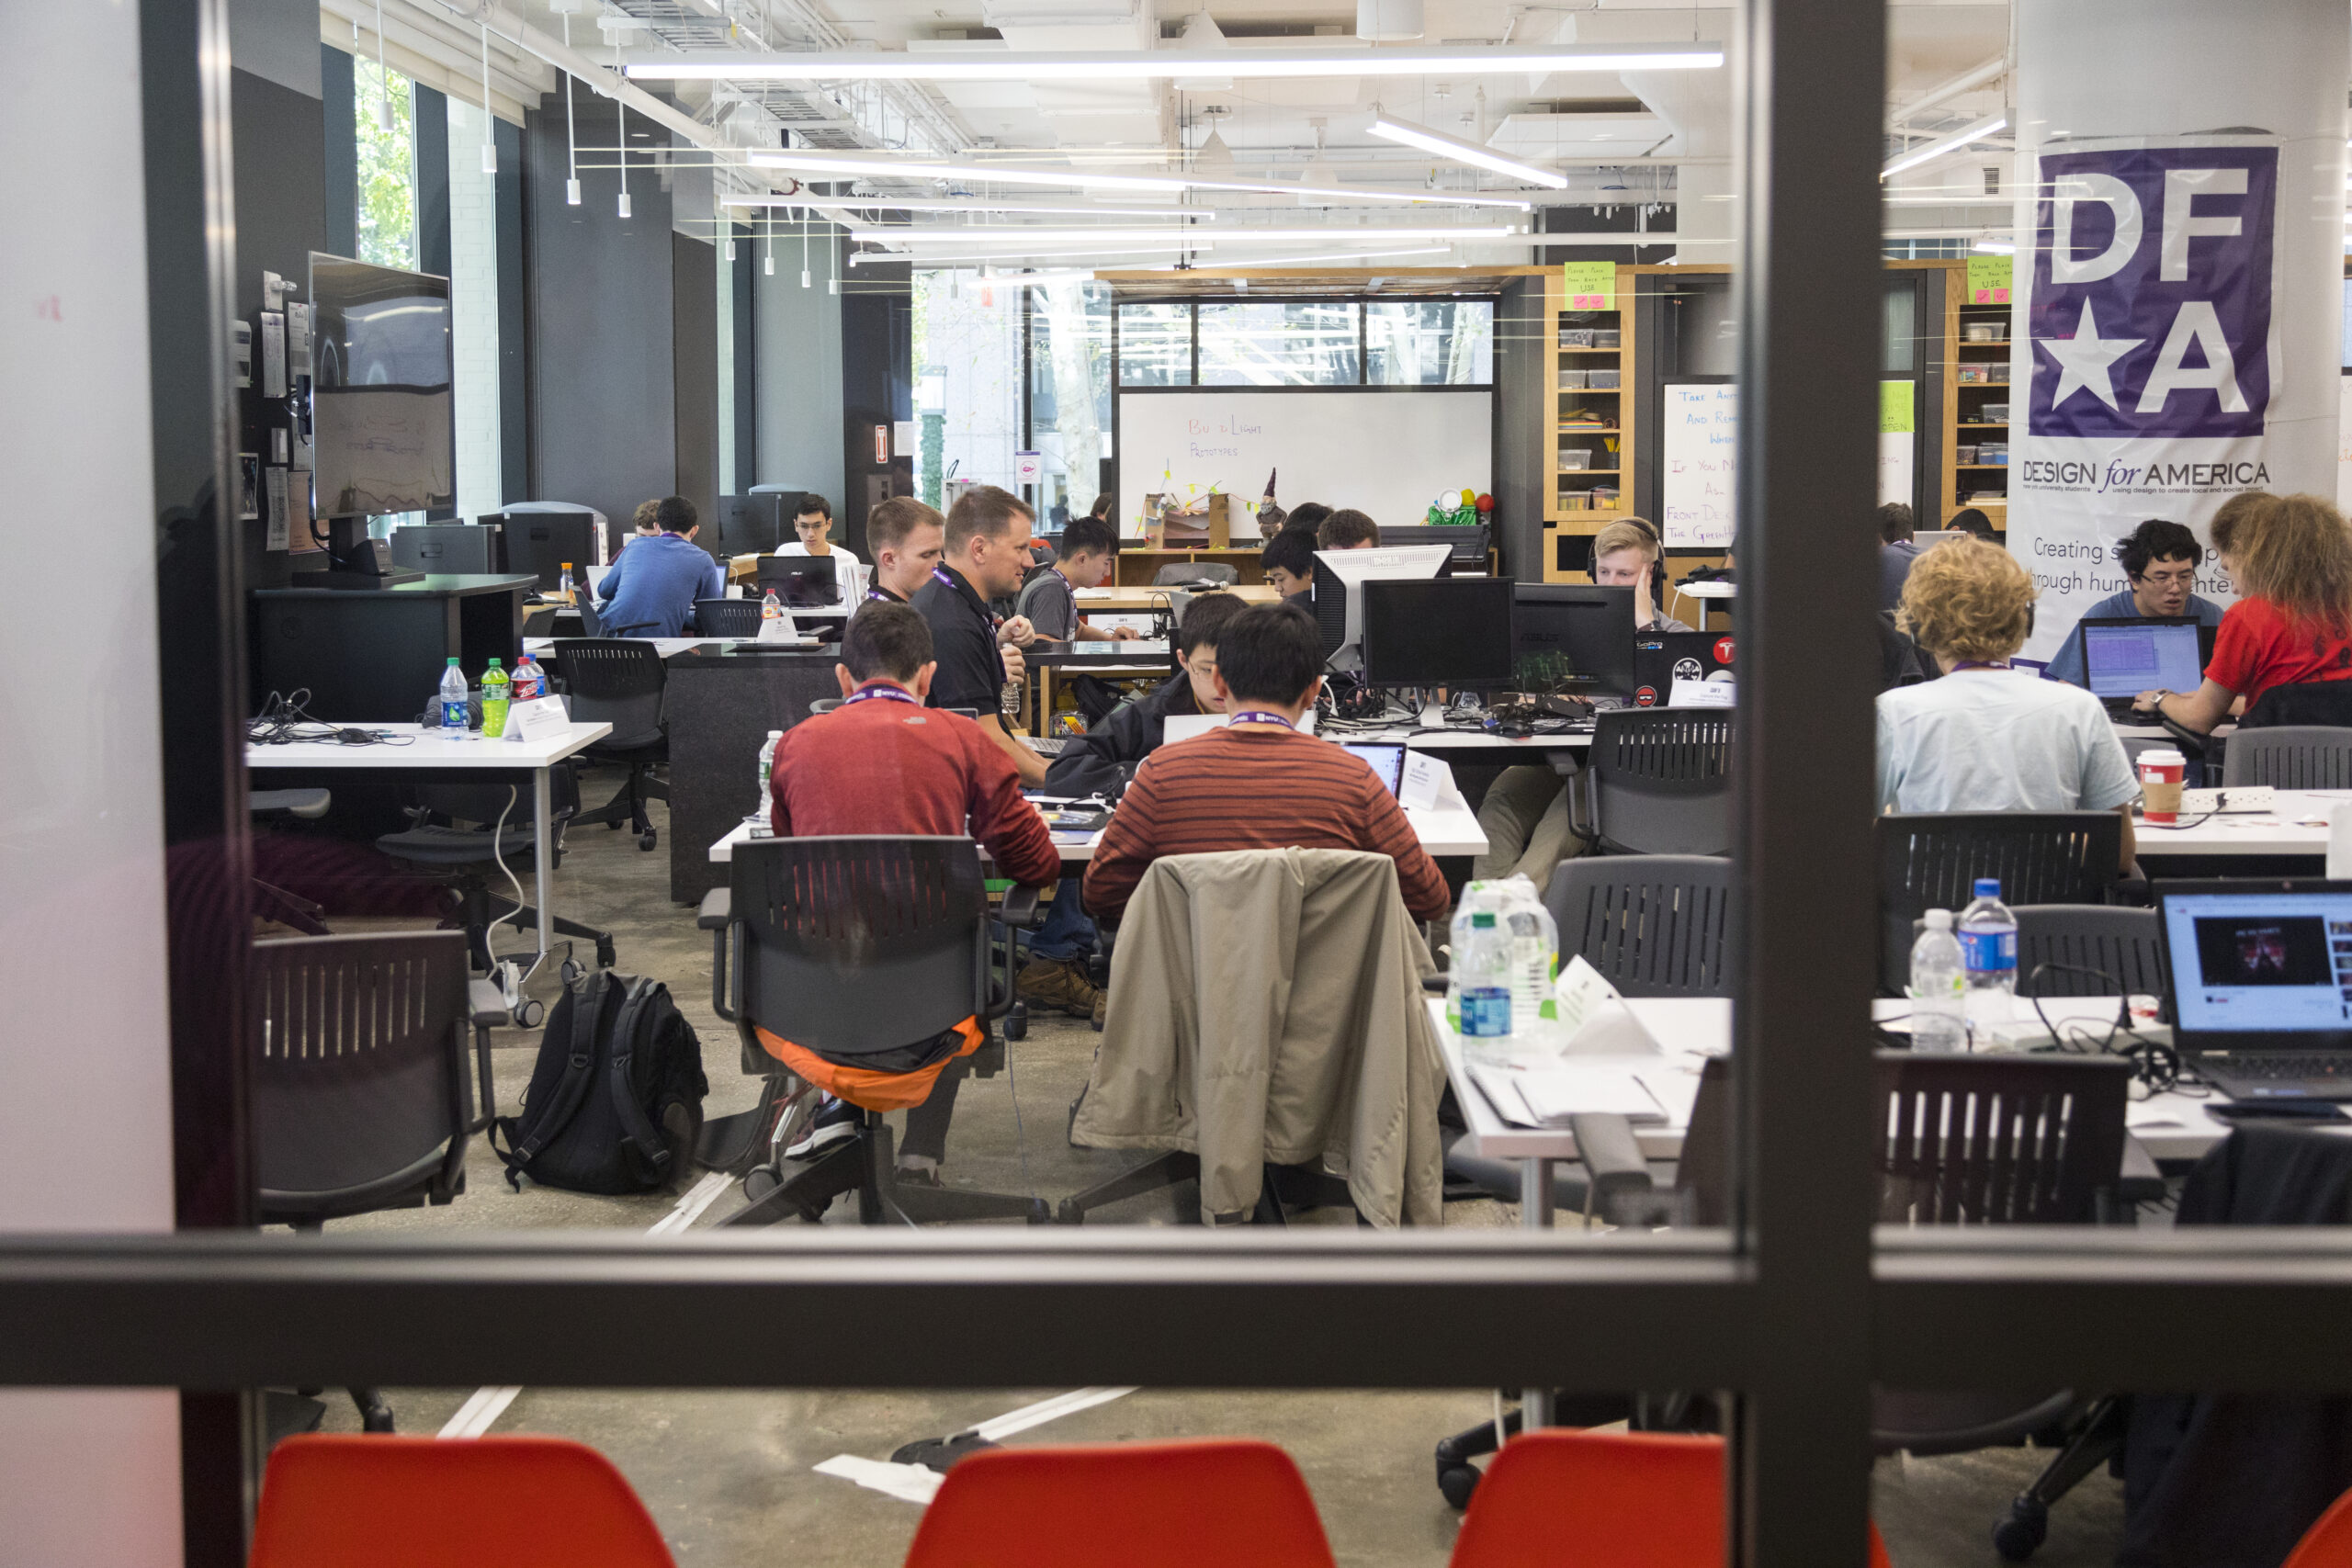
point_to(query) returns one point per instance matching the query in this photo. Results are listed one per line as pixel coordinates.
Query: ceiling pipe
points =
(1974, 77)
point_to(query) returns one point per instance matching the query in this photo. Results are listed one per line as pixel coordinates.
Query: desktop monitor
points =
(752, 524)
(381, 434)
(2125, 657)
(1573, 632)
(1468, 544)
(1449, 631)
(541, 536)
(441, 548)
(1339, 577)
(802, 582)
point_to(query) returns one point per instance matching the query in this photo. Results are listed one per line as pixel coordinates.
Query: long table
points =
(1446, 831)
(2298, 827)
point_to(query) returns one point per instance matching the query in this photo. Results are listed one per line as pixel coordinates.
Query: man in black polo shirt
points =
(986, 557)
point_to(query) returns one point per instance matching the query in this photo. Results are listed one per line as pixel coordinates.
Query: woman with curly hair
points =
(1986, 737)
(2290, 560)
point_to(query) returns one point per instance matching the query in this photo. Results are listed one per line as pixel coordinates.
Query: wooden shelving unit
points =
(1973, 364)
(1596, 420)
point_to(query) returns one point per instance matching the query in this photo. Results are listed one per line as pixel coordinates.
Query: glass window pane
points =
(386, 165)
(1070, 392)
(1901, 332)
(1431, 343)
(1156, 345)
(1311, 345)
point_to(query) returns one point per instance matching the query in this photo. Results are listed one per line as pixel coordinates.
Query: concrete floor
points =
(727, 1474)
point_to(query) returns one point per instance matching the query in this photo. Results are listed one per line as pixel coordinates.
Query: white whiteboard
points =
(1384, 453)
(1697, 462)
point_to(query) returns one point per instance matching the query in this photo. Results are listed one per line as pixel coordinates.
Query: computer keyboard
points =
(1048, 746)
(2289, 1064)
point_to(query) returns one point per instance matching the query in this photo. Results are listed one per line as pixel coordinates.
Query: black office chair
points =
(1653, 925)
(852, 946)
(1931, 861)
(2289, 756)
(620, 681)
(1658, 783)
(272, 902)
(455, 834)
(361, 1099)
(726, 618)
(2088, 950)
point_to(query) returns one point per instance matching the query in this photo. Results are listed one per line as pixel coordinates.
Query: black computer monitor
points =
(440, 549)
(1338, 602)
(1573, 632)
(1468, 544)
(802, 582)
(750, 524)
(541, 542)
(1448, 631)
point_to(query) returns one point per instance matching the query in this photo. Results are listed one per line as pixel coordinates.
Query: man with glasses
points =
(2160, 559)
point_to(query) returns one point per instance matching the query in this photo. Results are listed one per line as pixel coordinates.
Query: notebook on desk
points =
(2260, 973)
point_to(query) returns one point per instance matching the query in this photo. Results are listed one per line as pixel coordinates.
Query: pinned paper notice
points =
(1594, 1017)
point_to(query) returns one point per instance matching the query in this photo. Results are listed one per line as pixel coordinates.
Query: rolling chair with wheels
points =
(1658, 783)
(441, 843)
(620, 682)
(272, 902)
(854, 946)
(361, 1096)
(728, 617)
(1930, 860)
(423, 1503)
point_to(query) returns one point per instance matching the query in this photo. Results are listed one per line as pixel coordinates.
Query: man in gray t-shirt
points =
(1049, 598)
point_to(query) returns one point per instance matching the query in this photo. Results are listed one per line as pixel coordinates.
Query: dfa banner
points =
(2145, 358)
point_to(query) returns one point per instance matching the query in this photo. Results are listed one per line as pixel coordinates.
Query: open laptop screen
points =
(2122, 658)
(2267, 962)
(1388, 761)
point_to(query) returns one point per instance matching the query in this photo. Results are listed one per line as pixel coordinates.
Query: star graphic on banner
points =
(2085, 358)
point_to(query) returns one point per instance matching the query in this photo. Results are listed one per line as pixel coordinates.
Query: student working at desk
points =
(2290, 560)
(906, 538)
(651, 589)
(1259, 783)
(1288, 561)
(813, 524)
(1049, 600)
(2160, 561)
(1347, 529)
(883, 763)
(987, 554)
(1987, 737)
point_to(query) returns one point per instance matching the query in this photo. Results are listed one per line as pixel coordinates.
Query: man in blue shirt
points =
(2160, 559)
(651, 590)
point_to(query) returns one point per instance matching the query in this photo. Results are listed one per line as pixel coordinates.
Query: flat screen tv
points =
(379, 390)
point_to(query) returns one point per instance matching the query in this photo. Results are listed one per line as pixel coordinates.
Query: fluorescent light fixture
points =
(1995, 247)
(870, 166)
(961, 259)
(960, 204)
(1463, 151)
(1944, 144)
(984, 235)
(1340, 257)
(1156, 64)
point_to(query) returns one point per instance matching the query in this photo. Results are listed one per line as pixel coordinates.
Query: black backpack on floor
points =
(616, 1098)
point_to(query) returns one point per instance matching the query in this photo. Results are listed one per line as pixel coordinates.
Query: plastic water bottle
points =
(530, 681)
(1535, 958)
(1988, 948)
(453, 702)
(563, 584)
(1939, 982)
(767, 763)
(1485, 980)
(1477, 897)
(496, 692)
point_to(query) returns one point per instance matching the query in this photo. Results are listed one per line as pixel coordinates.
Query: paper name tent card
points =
(1595, 1018)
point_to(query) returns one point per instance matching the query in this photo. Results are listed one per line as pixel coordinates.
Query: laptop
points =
(1660, 659)
(2260, 973)
(1388, 761)
(2125, 657)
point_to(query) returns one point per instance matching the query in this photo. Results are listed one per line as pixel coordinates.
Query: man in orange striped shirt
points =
(1259, 783)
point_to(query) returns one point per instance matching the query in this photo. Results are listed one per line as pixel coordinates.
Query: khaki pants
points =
(1525, 818)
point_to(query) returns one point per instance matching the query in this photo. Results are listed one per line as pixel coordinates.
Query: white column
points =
(2147, 427)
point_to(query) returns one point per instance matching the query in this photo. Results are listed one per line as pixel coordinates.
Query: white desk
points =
(1476, 743)
(2299, 827)
(1450, 831)
(432, 752)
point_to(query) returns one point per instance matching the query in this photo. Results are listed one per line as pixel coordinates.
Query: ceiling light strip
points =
(871, 166)
(999, 234)
(1155, 64)
(1410, 135)
(1944, 144)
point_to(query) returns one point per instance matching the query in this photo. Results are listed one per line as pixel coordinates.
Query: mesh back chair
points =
(1931, 861)
(422, 1503)
(2298, 756)
(854, 946)
(2121, 949)
(620, 682)
(463, 832)
(1234, 1503)
(1178, 571)
(728, 617)
(360, 1094)
(1660, 782)
(1654, 925)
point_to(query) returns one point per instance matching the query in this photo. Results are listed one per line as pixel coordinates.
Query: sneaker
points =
(924, 1176)
(836, 1122)
(1060, 984)
(1102, 1007)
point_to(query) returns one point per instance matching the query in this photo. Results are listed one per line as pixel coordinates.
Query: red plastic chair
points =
(1602, 1500)
(387, 1502)
(1183, 1505)
(2328, 1543)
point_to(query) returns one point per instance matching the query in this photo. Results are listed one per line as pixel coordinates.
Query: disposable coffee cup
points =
(2160, 772)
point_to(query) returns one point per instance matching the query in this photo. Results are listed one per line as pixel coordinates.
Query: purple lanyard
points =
(885, 692)
(939, 574)
(1980, 664)
(1259, 715)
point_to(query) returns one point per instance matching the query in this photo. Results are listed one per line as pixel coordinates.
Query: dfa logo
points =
(2150, 292)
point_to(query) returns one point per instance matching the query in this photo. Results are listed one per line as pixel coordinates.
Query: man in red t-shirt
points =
(883, 762)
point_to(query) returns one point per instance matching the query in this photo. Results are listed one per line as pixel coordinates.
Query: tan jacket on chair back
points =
(1266, 1007)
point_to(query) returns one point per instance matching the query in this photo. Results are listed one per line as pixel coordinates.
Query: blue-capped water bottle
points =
(453, 702)
(1485, 980)
(1988, 951)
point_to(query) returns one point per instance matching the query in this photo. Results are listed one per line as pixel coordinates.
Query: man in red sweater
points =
(883, 762)
(1259, 783)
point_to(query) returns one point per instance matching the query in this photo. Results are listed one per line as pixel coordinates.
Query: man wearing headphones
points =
(1626, 555)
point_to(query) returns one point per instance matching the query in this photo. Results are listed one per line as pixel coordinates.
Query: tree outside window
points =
(386, 207)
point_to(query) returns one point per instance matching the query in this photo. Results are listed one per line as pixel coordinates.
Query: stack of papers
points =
(1549, 1095)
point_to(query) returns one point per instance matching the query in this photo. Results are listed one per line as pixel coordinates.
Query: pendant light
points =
(489, 145)
(620, 118)
(383, 76)
(570, 129)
